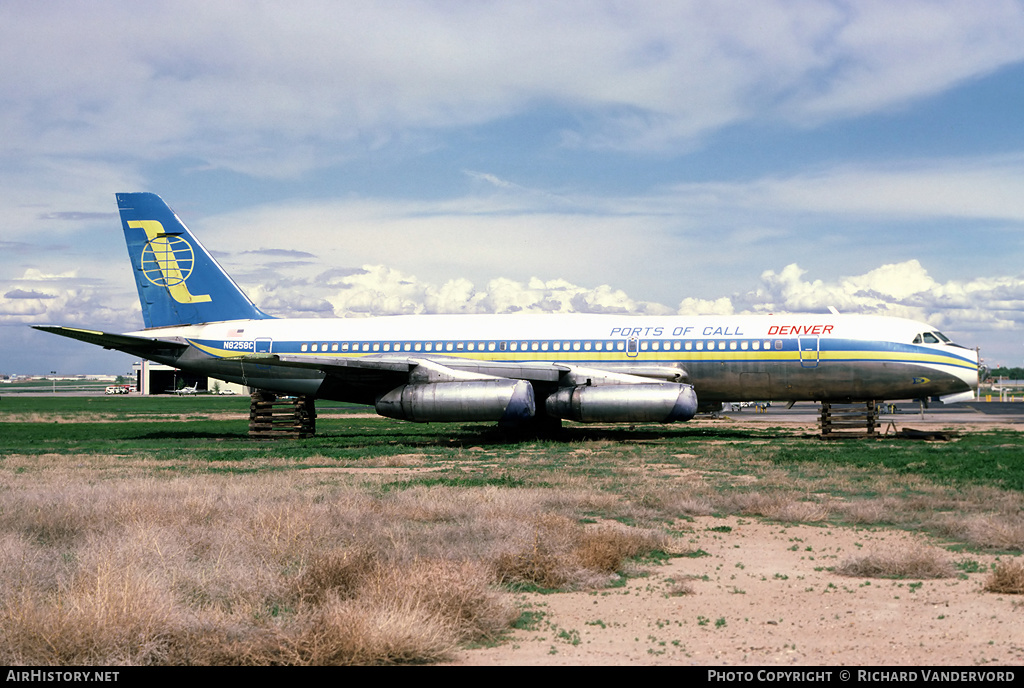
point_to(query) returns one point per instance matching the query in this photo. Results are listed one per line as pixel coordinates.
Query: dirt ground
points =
(763, 596)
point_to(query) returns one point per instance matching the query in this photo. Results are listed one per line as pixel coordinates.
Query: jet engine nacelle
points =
(499, 399)
(656, 402)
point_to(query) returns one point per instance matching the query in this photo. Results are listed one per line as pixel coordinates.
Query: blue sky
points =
(359, 158)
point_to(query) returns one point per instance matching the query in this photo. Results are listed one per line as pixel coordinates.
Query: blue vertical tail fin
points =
(179, 282)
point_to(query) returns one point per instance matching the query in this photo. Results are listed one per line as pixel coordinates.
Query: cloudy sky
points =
(357, 158)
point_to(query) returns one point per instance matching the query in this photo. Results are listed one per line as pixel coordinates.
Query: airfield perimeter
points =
(757, 540)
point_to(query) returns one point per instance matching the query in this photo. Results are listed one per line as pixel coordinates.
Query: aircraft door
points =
(809, 351)
(264, 345)
(633, 347)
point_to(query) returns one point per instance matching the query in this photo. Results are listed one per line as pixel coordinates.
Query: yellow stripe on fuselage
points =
(680, 356)
(218, 352)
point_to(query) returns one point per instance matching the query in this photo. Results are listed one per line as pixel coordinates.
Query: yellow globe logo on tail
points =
(167, 261)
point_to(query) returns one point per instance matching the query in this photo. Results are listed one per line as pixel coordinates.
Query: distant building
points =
(157, 378)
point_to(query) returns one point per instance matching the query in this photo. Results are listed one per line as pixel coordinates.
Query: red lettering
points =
(799, 329)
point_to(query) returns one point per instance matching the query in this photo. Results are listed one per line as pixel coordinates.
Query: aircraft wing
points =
(144, 347)
(447, 368)
(358, 368)
(441, 388)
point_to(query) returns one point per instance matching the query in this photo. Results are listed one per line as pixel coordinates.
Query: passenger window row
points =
(538, 345)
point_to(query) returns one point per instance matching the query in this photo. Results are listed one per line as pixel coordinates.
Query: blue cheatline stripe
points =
(835, 352)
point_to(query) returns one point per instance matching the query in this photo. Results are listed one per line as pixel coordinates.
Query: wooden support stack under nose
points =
(849, 420)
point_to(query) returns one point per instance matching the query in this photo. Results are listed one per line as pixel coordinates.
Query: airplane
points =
(186, 391)
(521, 370)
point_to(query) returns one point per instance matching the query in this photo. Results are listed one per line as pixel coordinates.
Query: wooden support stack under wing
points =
(271, 417)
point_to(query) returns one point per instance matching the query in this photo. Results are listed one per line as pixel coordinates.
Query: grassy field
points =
(154, 531)
(43, 385)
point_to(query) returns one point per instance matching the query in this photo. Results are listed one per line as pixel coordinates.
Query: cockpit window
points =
(931, 338)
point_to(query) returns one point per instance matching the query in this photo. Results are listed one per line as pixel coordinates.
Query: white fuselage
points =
(725, 358)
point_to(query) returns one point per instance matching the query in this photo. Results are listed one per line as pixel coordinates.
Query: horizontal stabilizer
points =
(137, 346)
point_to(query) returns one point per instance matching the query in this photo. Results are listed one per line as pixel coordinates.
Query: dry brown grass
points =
(104, 608)
(995, 530)
(870, 511)
(777, 505)
(561, 553)
(606, 548)
(368, 632)
(1007, 578)
(99, 565)
(536, 565)
(980, 516)
(287, 568)
(338, 572)
(910, 561)
(681, 588)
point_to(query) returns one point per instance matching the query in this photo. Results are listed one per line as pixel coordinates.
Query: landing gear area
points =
(900, 418)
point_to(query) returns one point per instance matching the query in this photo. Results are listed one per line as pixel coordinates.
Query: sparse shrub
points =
(346, 632)
(563, 553)
(778, 506)
(367, 611)
(460, 593)
(396, 612)
(339, 572)
(910, 562)
(534, 565)
(996, 531)
(606, 548)
(683, 504)
(680, 588)
(1007, 578)
(870, 511)
(542, 559)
